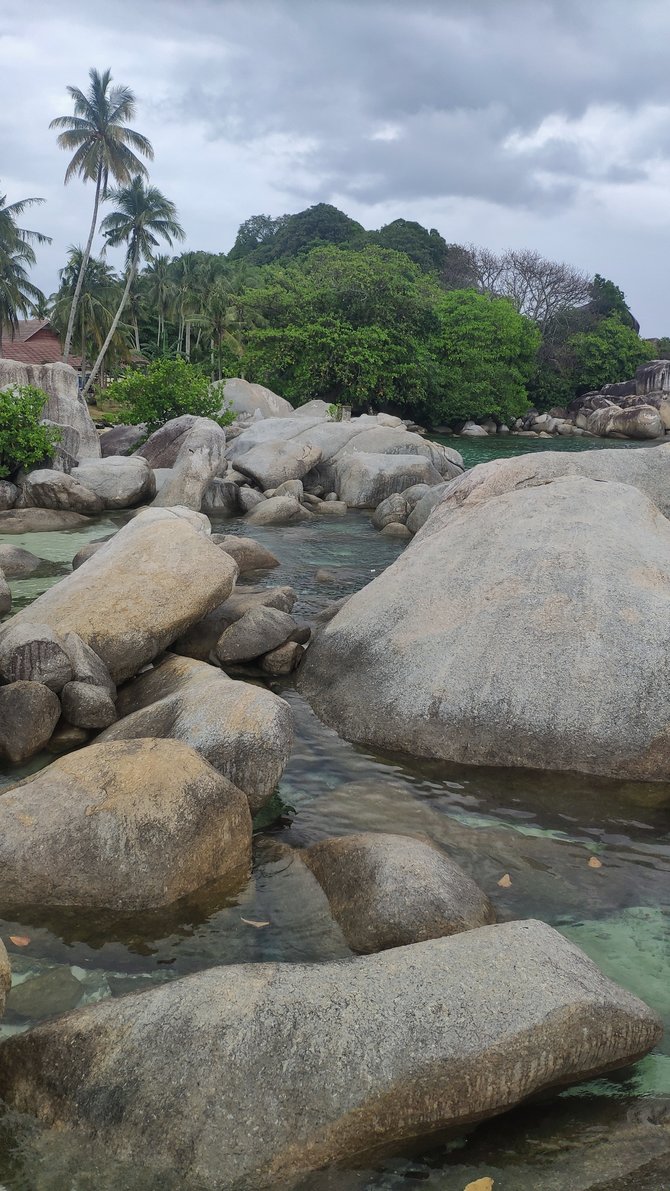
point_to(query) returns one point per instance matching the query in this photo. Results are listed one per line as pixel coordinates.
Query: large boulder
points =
(65, 404)
(139, 591)
(118, 481)
(17, 563)
(286, 1068)
(162, 447)
(34, 653)
(253, 400)
(249, 554)
(49, 489)
(278, 510)
(121, 440)
(201, 638)
(538, 653)
(260, 630)
(29, 712)
(128, 825)
(652, 377)
(390, 890)
(271, 464)
(40, 521)
(221, 498)
(8, 494)
(201, 457)
(641, 421)
(243, 731)
(364, 481)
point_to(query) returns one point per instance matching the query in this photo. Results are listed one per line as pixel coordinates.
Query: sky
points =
(509, 123)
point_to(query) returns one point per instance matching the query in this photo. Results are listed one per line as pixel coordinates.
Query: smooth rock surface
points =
(29, 712)
(365, 480)
(48, 489)
(247, 398)
(390, 890)
(260, 630)
(244, 731)
(33, 653)
(122, 826)
(201, 457)
(5, 976)
(87, 706)
(284, 659)
(121, 440)
(17, 563)
(200, 640)
(139, 592)
(248, 554)
(287, 1068)
(278, 510)
(642, 421)
(162, 447)
(536, 654)
(40, 521)
(8, 495)
(271, 464)
(119, 482)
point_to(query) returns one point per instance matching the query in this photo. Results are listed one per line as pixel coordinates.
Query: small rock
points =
(66, 737)
(34, 652)
(87, 706)
(395, 529)
(279, 510)
(249, 498)
(248, 554)
(257, 632)
(17, 563)
(283, 660)
(88, 551)
(45, 994)
(302, 634)
(290, 488)
(29, 712)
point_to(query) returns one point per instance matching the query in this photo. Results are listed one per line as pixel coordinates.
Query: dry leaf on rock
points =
(19, 940)
(485, 1184)
(595, 863)
(504, 883)
(253, 922)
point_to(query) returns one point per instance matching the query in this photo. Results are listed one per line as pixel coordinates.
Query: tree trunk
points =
(187, 343)
(137, 337)
(132, 272)
(82, 270)
(82, 366)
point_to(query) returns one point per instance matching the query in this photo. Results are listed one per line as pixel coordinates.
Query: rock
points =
(331, 496)
(5, 977)
(55, 990)
(221, 497)
(390, 420)
(643, 421)
(119, 482)
(347, 1058)
(121, 440)
(652, 377)
(489, 425)
(279, 510)
(272, 464)
(283, 660)
(29, 712)
(87, 706)
(248, 554)
(291, 488)
(247, 398)
(395, 529)
(332, 508)
(407, 663)
(17, 563)
(33, 653)
(365, 480)
(162, 447)
(65, 450)
(394, 508)
(5, 596)
(65, 404)
(257, 632)
(472, 430)
(199, 521)
(200, 459)
(86, 665)
(390, 890)
(47, 489)
(248, 499)
(200, 640)
(243, 731)
(156, 577)
(40, 521)
(128, 825)
(66, 737)
(88, 551)
(8, 495)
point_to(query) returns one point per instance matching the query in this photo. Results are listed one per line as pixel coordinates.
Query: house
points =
(34, 342)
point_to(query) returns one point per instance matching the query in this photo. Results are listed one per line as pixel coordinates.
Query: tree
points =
(160, 293)
(166, 390)
(17, 293)
(143, 216)
(103, 147)
(259, 229)
(607, 299)
(609, 353)
(98, 298)
(427, 249)
(540, 289)
(24, 439)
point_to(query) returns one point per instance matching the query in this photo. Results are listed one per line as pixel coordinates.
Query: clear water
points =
(542, 829)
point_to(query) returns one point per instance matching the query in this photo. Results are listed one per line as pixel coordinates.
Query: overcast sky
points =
(539, 123)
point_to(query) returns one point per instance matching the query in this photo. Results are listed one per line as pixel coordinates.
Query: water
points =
(541, 829)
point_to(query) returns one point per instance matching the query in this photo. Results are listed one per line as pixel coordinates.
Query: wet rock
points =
(201, 457)
(119, 482)
(243, 731)
(380, 1048)
(121, 440)
(260, 630)
(66, 737)
(5, 976)
(407, 663)
(283, 660)
(142, 590)
(394, 508)
(128, 825)
(17, 563)
(47, 489)
(55, 990)
(87, 706)
(8, 495)
(200, 640)
(248, 554)
(40, 521)
(278, 510)
(35, 653)
(390, 890)
(395, 529)
(29, 713)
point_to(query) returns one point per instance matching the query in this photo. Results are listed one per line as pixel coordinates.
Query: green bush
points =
(24, 441)
(167, 389)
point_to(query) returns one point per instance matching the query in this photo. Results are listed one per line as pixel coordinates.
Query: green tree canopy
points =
(609, 353)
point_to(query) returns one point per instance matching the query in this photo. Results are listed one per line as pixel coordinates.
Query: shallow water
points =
(539, 828)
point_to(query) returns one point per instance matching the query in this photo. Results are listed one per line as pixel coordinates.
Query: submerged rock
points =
(40, 520)
(538, 653)
(288, 1067)
(129, 825)
(17, 563)
(390, 890)
(29, 712)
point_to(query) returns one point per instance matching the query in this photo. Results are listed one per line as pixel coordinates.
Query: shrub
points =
(167, 389)
(24, 441)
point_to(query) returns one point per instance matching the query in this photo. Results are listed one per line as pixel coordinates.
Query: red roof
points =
(34, 342)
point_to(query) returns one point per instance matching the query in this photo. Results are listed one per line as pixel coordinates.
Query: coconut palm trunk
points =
(84, 261)
(132, 273)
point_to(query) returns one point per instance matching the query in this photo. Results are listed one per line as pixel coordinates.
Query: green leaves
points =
(168, 389)
(24, 441)
(608, 353)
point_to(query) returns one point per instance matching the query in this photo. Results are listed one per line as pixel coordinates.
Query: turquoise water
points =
(541, 829)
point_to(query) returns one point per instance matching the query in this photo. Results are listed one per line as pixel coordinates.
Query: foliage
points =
(24, 441)
(167, 389)
(427, 249)
(17, 293)
(265, 240)
(609, 353)
(607, 299)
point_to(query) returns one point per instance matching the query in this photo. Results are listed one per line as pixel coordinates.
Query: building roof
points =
(27, 327)
(26, 348)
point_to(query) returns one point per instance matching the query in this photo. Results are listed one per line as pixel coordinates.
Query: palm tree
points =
(143, 215)
(99, 297)
(17, 293)
(159, 292)
(103, 146)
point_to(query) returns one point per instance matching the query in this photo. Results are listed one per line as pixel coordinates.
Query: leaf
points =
(253, 922)
(19, 940)
(595, 863)
(504, 883)
(485, 1184)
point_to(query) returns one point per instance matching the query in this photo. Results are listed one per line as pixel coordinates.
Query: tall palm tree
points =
(143, 215)
(160, 292)
(17, 293)
(103, 147)
(98, 299)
